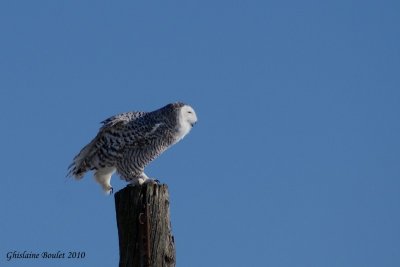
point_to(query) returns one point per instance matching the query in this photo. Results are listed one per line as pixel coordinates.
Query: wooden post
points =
(144, 227)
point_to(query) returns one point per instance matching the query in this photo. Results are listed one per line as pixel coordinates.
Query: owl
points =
(126, 143)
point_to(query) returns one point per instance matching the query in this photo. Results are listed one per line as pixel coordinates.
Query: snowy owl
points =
(127, 142)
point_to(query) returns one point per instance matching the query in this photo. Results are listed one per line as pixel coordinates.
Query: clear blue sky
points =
(294, 160)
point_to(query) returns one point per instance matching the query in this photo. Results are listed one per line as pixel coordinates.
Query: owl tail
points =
(77, 171)
(82, 162)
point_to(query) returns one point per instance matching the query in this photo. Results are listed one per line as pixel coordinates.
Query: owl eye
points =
(190, 112)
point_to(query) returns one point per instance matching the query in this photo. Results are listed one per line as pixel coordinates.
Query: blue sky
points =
(294, 160)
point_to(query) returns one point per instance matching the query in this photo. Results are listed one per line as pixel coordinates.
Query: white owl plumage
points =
(127, 142)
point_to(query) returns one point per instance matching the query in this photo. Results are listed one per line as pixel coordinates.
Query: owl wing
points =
(142, 135)
(131, 131)
(121, 119)
(109, 137)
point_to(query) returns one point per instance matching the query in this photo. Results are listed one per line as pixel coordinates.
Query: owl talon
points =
(134, 183)
(152, 181)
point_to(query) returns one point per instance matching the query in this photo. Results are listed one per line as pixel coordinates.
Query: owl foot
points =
(142, 181)
(134, 183)
(152, 181)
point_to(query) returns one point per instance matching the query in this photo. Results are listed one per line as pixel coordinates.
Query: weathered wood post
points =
(144, 227)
